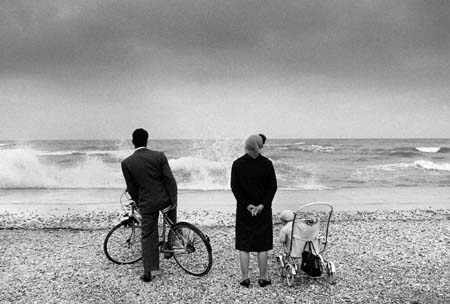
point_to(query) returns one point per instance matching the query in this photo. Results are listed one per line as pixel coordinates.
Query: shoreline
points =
(98, 220)
(99, 208)
(346, 199)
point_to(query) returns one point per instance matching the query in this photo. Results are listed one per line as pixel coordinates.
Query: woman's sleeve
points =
(271, 186)
(235, 185)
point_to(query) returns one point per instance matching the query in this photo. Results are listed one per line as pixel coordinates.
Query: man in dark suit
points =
(151, 184)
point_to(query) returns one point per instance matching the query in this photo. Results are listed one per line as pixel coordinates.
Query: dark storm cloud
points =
(336, 39)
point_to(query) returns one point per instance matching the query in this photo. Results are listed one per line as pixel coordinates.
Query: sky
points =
(72, 69)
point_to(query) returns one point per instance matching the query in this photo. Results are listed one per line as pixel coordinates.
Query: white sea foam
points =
(300, 146)
(6, 145)
(428, 149)
(206, 165)
(418, 164)
(318, 148)
(117, 153)
(26, 168)
(201, 174)
(391, 167)
(308, 186)
(429, 165)
(22, 168)
(193, 163)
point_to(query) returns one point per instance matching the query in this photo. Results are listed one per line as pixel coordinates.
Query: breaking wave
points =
(204, 165)
(21, 168)
(28, 168)
(428, 149)
(305, 148)
(419, 164)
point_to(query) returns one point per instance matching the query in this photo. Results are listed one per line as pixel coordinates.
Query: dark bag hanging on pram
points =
(311, 263)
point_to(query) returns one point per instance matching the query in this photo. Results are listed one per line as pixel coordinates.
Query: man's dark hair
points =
(263, 138)
(140, 138)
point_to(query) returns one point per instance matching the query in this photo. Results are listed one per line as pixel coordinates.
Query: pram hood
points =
(302, 233)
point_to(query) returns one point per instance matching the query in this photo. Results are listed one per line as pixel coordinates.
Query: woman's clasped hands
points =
(255, 210)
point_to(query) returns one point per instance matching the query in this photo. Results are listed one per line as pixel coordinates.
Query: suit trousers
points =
(150, 235)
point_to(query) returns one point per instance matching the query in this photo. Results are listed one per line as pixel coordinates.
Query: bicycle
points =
(190, 248)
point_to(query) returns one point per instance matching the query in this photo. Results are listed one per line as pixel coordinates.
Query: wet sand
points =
(67, 201)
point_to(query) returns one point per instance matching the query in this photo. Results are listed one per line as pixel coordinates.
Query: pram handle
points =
(316, 203)
(328, 223)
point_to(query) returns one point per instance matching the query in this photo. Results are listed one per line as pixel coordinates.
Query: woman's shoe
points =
(264, 283)
(146, 277)
(245, 283)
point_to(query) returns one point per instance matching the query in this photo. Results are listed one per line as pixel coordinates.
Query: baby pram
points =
(308, 240)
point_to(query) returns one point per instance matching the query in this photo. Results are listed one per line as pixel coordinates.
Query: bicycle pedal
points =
(164, 246)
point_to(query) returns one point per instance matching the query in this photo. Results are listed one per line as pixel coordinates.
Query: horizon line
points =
(221, 138)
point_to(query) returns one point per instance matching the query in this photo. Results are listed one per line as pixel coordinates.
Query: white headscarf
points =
(253, 145)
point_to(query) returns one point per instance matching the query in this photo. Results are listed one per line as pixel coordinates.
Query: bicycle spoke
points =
(123, 243)
(191, 249)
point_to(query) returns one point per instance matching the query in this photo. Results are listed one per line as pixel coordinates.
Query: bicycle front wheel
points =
(122, 244)
(191, 248)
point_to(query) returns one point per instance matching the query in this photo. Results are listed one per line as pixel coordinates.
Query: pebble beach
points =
(394, 256)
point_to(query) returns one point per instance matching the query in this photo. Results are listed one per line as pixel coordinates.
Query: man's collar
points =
(139, 148)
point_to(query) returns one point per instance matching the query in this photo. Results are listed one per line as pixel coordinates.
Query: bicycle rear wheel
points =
(191, 248)
(122, 244)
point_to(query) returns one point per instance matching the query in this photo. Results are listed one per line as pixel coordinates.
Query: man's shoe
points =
(146, 277)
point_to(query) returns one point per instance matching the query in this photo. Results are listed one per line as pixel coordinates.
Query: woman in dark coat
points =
(254, 184)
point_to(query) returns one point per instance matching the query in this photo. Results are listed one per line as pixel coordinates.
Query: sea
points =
(88, 172)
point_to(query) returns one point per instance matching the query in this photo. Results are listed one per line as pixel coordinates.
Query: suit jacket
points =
(149, 178)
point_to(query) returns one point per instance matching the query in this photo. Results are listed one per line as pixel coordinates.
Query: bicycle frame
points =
(136, 215)
(190, 248)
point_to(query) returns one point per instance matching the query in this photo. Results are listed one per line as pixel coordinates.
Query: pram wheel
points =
(281, 272)
(331, 270)
(280, 268)
(290, 274)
